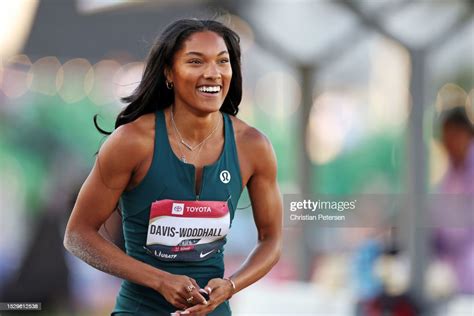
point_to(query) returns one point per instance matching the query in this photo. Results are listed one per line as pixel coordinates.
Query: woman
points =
(176, 164)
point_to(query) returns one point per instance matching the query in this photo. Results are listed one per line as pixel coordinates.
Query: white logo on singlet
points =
(202, 255)
(225, 176)
(177, 209)
(198, 209)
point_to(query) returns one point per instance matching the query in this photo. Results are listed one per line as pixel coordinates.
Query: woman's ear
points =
(168, 74)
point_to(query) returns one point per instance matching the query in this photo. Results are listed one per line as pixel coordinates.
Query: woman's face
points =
(201, 72)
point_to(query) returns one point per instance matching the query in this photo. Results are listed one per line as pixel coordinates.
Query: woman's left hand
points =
(219, 290)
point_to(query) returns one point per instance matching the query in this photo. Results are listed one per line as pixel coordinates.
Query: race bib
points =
(187, 230)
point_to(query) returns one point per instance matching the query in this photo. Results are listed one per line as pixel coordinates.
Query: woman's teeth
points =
(210, 89)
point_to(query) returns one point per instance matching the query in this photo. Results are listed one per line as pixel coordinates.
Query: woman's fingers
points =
(208, 289)
(181, 303)
(215, 299)
(197, 297)
(181, 306)
(200, 309)
(194, 282)
(192, 297)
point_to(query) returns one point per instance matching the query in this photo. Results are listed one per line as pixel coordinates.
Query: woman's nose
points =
(212, 72)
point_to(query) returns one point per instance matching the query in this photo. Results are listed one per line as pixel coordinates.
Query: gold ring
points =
(190, 299)
(190, 288)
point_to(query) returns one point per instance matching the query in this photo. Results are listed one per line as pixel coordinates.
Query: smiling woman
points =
(176, 165)
(201, 72)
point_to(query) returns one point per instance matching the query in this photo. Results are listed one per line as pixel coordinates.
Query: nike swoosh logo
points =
(202, 255)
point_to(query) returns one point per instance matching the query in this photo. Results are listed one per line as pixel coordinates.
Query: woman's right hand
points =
(181, 291)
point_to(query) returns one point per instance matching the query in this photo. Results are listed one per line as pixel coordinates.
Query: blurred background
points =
(359, 98)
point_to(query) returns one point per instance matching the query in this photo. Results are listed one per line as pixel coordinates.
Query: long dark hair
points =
(152, 95)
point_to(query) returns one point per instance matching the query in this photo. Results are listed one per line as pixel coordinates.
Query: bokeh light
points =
(16, 76)
(70, 81)
(43, 73)
(100, 83)
(450, 96)
(278, 94)
(243, 28)
(333, 116)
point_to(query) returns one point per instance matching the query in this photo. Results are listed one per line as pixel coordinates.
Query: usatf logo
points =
(225, 176)
(177, 209)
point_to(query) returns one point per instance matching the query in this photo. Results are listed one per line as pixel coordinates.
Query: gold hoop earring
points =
(169, 84)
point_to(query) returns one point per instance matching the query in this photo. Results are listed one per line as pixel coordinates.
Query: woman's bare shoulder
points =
(255, 150)
(249, 136)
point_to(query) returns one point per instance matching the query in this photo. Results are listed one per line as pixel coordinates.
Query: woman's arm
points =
(267, 211)
(116, 161)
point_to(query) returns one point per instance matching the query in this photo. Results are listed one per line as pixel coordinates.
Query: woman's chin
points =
(208, 107)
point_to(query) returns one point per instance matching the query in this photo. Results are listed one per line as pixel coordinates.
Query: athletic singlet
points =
(167, 225)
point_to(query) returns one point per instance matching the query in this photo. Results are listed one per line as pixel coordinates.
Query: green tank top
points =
(167, 225)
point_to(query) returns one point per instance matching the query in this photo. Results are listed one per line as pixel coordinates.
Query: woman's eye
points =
(195, 61)
(224, 61)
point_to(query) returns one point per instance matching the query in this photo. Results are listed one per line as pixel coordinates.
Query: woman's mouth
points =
(210, 90)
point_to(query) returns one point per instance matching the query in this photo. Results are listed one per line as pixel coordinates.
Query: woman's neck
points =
(193, 126)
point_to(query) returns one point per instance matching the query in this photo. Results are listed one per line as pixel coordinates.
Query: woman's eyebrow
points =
(201, 54)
